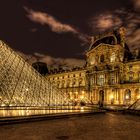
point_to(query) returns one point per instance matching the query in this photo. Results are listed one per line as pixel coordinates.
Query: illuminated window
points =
(100, 80)
(127, 94)
(80, 82)
(112, 58)
(74, 83)
(112, 78)
(92, 60)
(137, 92)
(131, 75)
(58, 83)
(91, 80)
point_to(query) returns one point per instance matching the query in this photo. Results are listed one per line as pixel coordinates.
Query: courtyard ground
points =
(109, 126)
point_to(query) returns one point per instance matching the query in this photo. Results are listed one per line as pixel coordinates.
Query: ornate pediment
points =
(108, 48)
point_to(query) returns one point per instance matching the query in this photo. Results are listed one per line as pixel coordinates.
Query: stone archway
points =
(137, 94)
(127, 96)
(101, 98)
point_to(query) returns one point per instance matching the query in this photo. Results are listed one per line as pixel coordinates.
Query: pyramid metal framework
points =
(22, 85)
(135, 106)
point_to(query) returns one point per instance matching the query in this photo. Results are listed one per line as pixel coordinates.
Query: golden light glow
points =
(82, 109)
(127, 97)
(82, 97)
(71, 98)
(111, 97)
(3, 105)
(138, 97)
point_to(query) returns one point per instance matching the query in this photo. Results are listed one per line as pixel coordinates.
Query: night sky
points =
(58, 31)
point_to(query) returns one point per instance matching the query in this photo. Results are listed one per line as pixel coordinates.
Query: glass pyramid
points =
(135, 106)
(22, 85)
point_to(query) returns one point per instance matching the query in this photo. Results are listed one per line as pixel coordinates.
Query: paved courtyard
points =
(109, 126)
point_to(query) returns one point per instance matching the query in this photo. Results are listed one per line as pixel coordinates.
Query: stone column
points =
(132, 96)
(96, 96)
(95, 79)
(106, 79)
(117, 99)
(122, 96)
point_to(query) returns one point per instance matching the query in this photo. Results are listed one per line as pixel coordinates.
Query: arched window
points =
(137, 91)
(58, 84)
(112, 58)
(102, 58)
(127, 94)
(80, 81)
(74, 83)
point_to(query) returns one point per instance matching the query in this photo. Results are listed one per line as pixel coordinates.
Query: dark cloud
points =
(136, 4)
(55, 25)
(110, 20)
(46, 19)
(60, 29)
(105, 21)
(52, 61)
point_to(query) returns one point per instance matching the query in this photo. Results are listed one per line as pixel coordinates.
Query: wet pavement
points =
(109, 126)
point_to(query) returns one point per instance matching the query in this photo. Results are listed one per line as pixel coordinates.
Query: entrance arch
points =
(137, 94)
(101, 98)
(127, 96)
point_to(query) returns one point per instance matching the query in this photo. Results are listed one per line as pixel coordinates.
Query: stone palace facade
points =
(111, 74)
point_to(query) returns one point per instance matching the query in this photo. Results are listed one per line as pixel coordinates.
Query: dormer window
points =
(97, 58)
(102, 58)
(92, 60)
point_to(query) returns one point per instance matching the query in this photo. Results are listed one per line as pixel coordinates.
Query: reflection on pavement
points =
(17, 111)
